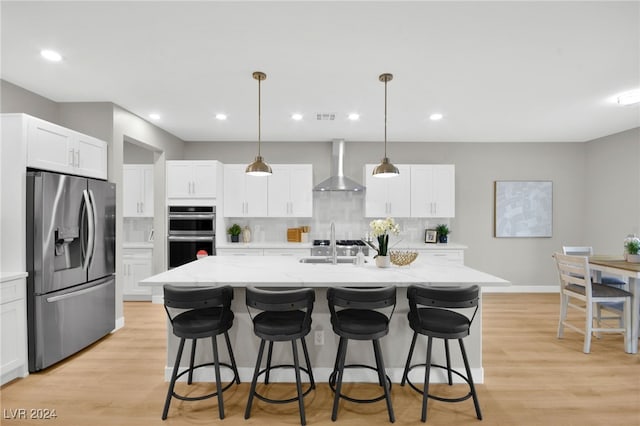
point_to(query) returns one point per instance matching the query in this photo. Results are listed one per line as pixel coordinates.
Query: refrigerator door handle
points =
(88, 206)
(92, 229)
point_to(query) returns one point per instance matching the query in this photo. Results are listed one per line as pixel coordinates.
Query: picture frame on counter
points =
(430, 236)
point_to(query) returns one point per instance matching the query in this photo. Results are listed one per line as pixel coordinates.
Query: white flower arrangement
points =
(380, 230)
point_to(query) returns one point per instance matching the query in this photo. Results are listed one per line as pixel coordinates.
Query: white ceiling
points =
(498, 71)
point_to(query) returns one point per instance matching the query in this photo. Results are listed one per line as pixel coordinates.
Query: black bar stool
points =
(196, 313)
(360, 319)
(427, 316)
(285, 316)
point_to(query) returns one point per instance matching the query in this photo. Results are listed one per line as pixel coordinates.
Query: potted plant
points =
(443, 232)
(380, 231)
(234, 231)
(632, 246)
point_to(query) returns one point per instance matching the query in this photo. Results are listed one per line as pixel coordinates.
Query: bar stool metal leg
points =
(191, 360)
(216, 365)
(234, 367)
(306, 359)
(252, 390)
(446, 351)
(296, 364)
(269, 353)
(427, 371)
(340, 371)
(408, 364)
(473, 388)
(382, 378)
(172, 384)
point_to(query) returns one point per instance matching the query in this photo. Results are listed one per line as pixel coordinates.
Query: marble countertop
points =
(287, 271)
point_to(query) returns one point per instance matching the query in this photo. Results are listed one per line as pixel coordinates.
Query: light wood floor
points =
(531, 378)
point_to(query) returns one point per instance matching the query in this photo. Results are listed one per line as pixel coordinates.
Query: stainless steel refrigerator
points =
(71, 262)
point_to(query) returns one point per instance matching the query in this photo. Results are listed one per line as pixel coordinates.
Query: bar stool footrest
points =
(283, 401)
(332, 385)
(211, 395)
(440, 398)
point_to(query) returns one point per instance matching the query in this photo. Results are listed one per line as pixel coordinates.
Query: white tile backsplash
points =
(346, 209)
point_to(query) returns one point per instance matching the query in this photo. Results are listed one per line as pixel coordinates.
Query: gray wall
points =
(612, 184)
(523, 261)
(16, 99)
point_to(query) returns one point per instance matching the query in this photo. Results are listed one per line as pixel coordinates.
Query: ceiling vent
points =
(326, 116)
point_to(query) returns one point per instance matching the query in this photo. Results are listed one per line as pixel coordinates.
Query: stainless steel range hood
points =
(338, 181)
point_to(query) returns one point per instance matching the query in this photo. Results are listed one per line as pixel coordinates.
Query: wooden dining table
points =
(631, 271)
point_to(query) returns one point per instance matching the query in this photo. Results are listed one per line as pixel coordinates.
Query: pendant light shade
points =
(385, 168)
(259, 167)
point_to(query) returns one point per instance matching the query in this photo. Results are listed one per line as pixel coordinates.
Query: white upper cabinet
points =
(58, 149)
(137, 190)
(433, 190)
(290, 190)
(388, 196)
(244, 195)
(192, 179)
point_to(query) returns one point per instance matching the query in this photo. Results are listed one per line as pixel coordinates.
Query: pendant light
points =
(385, 168)
(259, 167)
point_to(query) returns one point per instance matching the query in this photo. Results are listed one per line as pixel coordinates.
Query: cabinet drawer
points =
(12, 290)
(239, 252)
(442, 256)
(137, 253)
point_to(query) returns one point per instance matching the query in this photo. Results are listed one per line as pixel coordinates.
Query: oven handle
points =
(191, 216)
(189, 238)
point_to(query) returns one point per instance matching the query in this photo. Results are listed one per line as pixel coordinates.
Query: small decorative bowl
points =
(403, 258)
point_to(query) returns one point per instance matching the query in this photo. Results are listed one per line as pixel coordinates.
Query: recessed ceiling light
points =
(629, 98)
(296, 116)
(354, 116)
(154, 116)
(51, 55)
(221, 116)
(436, 116)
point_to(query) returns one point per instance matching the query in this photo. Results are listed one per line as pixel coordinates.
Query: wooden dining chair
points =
(576, 283)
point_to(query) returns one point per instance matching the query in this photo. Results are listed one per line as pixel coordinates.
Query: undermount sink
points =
(328, 260)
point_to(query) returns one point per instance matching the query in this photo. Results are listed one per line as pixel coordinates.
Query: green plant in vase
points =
(235, 231)
(443, 232)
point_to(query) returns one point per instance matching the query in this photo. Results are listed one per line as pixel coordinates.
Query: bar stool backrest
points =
(178, 299)
(282, 300)
(443, 297)
(362, 298)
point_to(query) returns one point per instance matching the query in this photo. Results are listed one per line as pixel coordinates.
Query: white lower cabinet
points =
(13, 327)
(137, 264)
(442, 257)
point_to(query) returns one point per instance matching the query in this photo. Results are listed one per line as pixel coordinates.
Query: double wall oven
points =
(192, 231)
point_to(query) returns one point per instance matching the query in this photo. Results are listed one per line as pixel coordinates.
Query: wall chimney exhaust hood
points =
(338, 181)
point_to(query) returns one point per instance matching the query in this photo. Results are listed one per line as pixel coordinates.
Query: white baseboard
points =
(321, 375)
(119, 324)
(523, 289)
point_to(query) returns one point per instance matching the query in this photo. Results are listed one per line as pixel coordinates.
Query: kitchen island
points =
(288, 272)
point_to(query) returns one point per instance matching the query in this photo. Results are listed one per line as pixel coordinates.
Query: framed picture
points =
(523, 209)
(430, 236)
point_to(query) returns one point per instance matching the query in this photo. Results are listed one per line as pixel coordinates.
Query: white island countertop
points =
(287, 271)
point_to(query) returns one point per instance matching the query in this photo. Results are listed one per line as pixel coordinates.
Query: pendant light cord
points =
(385, 118)
(259, 116)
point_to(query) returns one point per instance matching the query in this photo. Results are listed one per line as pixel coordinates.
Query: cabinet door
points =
(256, 196)
(301, 190)
(376, 203)
(13, 339)
(399, 192)
(444, 192)
(146, 190)
(179, 183)
(234, 192)
(137, 266)
(91, 156)
(433, 190)
(204, 179)
(131, 191)
(279, 200)
(388, 196)
(49, 146)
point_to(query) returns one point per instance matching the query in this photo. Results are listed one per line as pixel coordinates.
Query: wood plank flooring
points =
(531, 378)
